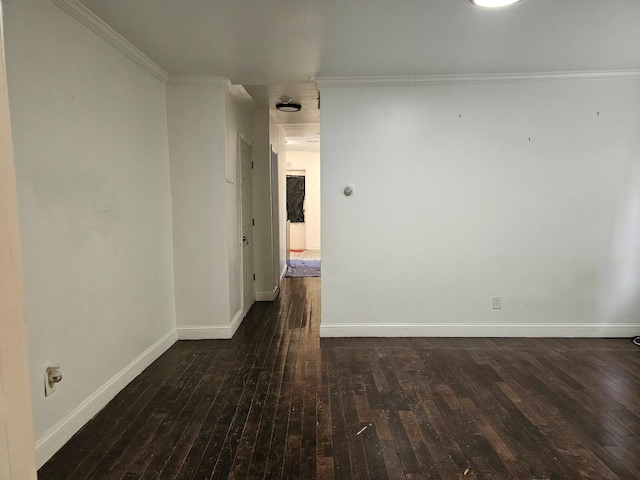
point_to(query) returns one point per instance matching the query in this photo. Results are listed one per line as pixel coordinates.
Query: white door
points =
(248, 293)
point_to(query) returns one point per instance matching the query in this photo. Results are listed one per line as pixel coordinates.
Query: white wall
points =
(17, 445)
(238, 122)
(92, 163)
(204, 122)
(464, 192)
(270, 229)
(263, 237)
(309, 162)
(197, 142)
(297, 236)
(278, 141)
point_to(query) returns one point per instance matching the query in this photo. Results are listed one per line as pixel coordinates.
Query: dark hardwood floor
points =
(277, 402)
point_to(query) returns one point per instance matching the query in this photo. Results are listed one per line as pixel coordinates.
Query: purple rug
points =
(303, 268)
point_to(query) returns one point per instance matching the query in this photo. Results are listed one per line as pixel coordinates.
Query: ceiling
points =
(278, 47)
(283, 41)
(302, 129)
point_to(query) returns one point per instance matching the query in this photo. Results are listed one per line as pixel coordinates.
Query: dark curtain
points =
(295, 198)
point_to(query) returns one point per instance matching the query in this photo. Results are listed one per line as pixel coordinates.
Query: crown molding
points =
(397, 81)
(191, 80)
(241, 95)
(97, 25)
(480, 79)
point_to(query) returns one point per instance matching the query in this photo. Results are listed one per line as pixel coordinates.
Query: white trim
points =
(245, 311)
(61, 432)
(203, 332)
(407, 80)
(602, 330)
(97, 25)
(211, 332)
(245, 139)
(240, 213)
(240, 94)
(195, 80)
(239, 206)
(236, 321)
(268, 296)
(417, 80)
(283, 272)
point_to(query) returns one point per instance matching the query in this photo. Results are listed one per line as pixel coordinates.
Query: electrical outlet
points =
(49, 388)
(52, 375)
(496, 303)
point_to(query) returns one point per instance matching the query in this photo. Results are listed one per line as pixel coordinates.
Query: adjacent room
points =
(303, 205)
(319, 240)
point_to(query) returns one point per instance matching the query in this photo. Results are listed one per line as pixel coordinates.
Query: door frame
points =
(296, 172)
(276, 215)
(243, 138)
(17, 442)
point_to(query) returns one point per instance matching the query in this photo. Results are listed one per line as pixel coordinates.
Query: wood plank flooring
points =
(278, 402)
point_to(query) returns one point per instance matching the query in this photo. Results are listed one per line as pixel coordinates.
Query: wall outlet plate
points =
(48, 389)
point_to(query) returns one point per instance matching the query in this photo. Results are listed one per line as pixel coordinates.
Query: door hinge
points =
(254, 277)
(252, 165)
(253, 222)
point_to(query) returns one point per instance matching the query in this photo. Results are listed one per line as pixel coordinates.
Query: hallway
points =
(277, 402)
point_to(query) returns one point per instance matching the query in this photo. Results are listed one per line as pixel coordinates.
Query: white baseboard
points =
(60, 433)
(268, 296)
(211, 332)
(283, 272)
(567, 330)
(236, 321)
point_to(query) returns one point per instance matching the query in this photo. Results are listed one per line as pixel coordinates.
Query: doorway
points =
(303, 210)
(248, 277)
(296, 192)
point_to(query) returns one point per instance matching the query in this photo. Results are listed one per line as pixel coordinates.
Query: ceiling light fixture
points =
(286, 105)
(493, 3)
